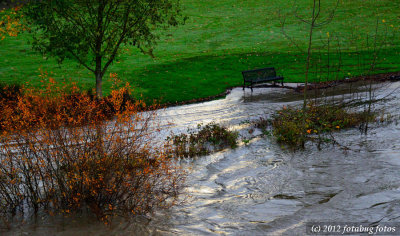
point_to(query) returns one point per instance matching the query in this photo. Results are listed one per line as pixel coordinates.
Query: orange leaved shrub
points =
(52, 106)
(59, 154)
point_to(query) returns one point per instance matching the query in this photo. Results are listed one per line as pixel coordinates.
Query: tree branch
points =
(286, 35)
(124, 31)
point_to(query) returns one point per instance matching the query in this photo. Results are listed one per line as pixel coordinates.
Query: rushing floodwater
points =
(260, 189)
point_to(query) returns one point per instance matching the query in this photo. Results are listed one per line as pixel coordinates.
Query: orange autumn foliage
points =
(59, 153)
(56, 105)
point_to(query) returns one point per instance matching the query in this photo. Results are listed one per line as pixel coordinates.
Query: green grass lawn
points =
(222, 38)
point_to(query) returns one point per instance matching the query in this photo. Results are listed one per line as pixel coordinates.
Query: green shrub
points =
(211, 137)
(295, 126)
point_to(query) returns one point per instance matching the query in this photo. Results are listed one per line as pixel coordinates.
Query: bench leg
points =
(251, 87)
(282, 83)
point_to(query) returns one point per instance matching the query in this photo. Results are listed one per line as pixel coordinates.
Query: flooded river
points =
(262, 189)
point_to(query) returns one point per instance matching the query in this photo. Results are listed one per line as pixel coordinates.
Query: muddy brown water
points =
(262, 189)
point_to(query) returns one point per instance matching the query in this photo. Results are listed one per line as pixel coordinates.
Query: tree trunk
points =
(99, 39)
(99, 78)
(99, 84)
(99, 94)
(309, 51)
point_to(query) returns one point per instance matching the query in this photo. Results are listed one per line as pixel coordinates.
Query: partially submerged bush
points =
(264, 125)
(59, 165)
(294, 126)
(208, 138)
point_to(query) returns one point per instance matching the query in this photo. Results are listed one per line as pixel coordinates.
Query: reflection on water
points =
(261, 189)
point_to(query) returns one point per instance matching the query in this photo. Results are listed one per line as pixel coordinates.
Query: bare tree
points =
(316, 21)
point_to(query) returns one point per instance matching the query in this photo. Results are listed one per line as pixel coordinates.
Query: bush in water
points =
(295, 126)
(211, 137)
(75, 160)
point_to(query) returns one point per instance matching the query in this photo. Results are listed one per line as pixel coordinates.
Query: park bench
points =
(260, 76)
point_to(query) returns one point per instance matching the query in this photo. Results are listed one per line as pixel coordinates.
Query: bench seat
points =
(258, 76)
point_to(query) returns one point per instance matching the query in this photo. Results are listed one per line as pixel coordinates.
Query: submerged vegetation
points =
(295, 126)
(204, 140)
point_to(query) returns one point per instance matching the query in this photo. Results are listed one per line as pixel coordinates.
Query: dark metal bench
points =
(260, 76)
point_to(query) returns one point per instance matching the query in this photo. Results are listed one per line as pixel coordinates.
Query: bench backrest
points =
(263, 73)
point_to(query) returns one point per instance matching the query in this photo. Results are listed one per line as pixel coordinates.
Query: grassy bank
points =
(222, 38)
